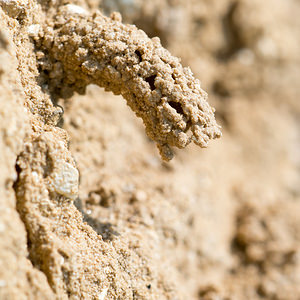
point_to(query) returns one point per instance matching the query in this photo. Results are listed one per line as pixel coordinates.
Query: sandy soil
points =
(88, 210)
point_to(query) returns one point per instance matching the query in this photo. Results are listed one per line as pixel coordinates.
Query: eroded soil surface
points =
(88, 210)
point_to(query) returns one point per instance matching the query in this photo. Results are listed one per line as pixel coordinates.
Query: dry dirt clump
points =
(87, 208)
(95, 49)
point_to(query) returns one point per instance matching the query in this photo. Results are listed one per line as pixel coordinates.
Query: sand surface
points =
(89, 210)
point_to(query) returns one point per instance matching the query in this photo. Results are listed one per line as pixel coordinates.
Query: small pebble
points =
(103, 294)
(64, 180)
(75, 9)
(33, 29)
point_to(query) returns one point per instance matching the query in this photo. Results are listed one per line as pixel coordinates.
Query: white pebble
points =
(64, 179)
(35, 176)
(103, 294)
(140, 195)
(33, 29)
(75, 9)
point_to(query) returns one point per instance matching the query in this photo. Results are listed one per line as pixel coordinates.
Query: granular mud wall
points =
(88, 208)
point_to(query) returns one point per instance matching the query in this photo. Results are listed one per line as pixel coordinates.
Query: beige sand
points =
(88, 210)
